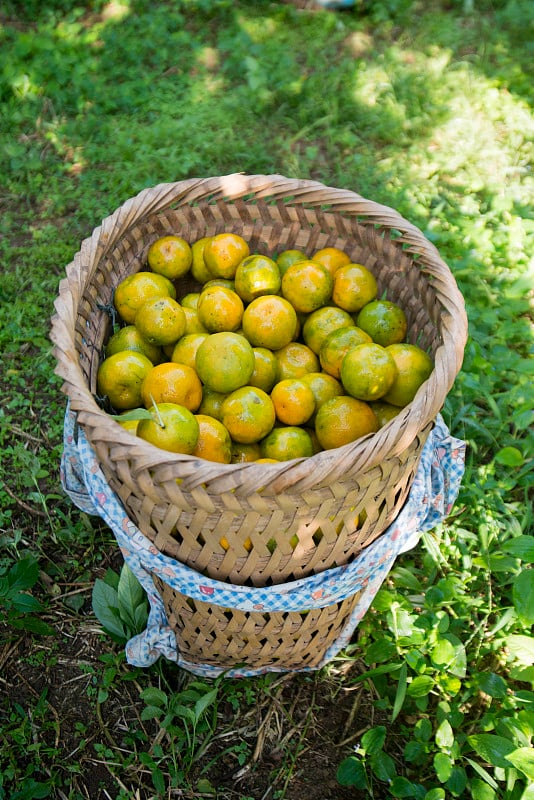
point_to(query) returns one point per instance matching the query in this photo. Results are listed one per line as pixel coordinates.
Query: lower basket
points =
(209, 626)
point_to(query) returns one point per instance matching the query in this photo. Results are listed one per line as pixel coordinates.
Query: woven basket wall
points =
(185, 505)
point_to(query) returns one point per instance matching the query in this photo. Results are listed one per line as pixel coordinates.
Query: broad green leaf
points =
(132, 416)
(443, 765)
(151, 712)
(373, 740)
(521, 648)
(106, 609)
(351, 772)
(457, 782)
(492, 684)
(522, 547)
(509, 457)
(528, 794)
(420, 686)
(523, 760)
(33, 624)
(492, 748)
(401, 692)
(130, 595)
(383, 766)
(401, 787)
(480, 790)
(435, 794)
(523, 595)
(26, 603)
(153, 696)
(23, 575)
(449, 653)
(445, 735)
(205, 702)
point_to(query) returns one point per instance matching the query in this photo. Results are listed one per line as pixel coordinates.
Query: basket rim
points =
(297, 474)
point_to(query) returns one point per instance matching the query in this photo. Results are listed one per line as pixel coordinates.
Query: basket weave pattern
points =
(184, 504)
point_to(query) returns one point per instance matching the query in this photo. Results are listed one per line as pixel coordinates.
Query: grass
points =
(424, 107)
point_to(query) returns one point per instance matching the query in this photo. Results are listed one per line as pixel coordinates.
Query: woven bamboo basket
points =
(185, 505)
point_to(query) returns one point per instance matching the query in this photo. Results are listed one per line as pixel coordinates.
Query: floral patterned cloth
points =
(431, 498)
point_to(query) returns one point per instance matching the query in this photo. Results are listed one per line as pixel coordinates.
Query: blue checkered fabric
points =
(431, 497)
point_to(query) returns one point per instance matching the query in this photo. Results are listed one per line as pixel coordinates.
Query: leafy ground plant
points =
(425, 107)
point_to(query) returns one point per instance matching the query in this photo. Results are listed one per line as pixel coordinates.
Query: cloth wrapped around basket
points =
(432, 495)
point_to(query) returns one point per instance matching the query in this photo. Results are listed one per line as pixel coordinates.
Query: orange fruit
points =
(269, 321)
(220, 309)
(307, 285)
(172, 383)
(368, 371)
(190, 300)
(286, 443)
(129, 425)
(257, 275)
(332, 258)
(225, 361)
(212, 403)
(226, 282)
(199, 270)
(214, 442)
(295, 360)
(120, 377)
(354, 287)
(337, 344)
(342, 420)
(320, 323)
(185, 349)
(293, 400)
(192, 321)
(172, 427)
(323, 386)
(414, 366)
(384, 412)
(129, 338)
(223, 252)
(384, 321)
(244, 453)
(161, 321)
(170, 256)
(134, 290)
(288, 257)
(248, 414)
(265, 369)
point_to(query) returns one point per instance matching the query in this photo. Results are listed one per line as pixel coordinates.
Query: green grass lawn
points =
(425, 107)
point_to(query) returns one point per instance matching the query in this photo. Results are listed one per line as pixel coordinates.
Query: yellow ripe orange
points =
(384, 412)
(245, 453)
(172, 427)
(288, 257)
(293, 400)
(337, 344)
(225, 361)
(269, 321)
(267, 461)
(223, 252)
(226, 282)
(170, 256)
(307, 285)
(320, 323)
(384, 321)
(161, 321)
(199, 270)
(323, 386)
(332, 258)
(220, 309)
(172, 383)
(368, 372)
(286, 443)
(354, 287)
(129, 338)
(255, 276)
(211, 404)
(248, 414)
(414, 366)
(185, 349)
(214, 442)
(342, 420)
(295, 359)
(120, 377)
(265, 369)
(134, 290)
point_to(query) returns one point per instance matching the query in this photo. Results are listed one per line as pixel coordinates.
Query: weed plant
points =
(425, 107)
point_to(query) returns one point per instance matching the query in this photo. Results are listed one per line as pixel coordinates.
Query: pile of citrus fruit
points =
(271, 359)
